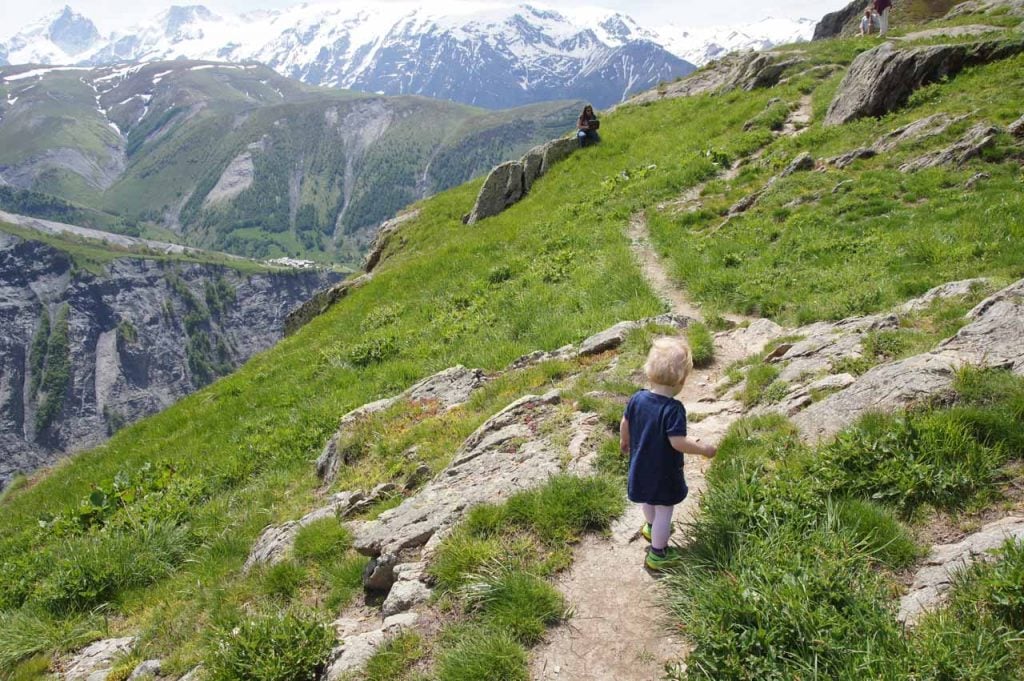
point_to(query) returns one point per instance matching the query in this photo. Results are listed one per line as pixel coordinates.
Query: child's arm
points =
(687, 445)
(624, 436)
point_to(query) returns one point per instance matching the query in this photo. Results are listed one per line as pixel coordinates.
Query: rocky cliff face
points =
(83, 354)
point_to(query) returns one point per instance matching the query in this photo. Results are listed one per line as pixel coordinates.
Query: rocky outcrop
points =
(833, 23)
(991, 340)
(384, 235)
(974, 141)
(147, 671)
(613, 337)
(742, 71)
(320, 301)
(929, 126)
(934, 580)
(95, 661)
(359, 640)
(882, 79)
(136, 335)
(277, 541)
(449, 389)
(507, 454)
(1016, 128)
(509, 182)
(1010, 7)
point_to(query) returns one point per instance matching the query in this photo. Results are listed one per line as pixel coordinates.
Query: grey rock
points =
(533, 163)
(192, 675)
(847, 159)
(502, 188)
(922, 128)
(97, 659)
(976, 179)
(834, 23)
(883, 78)
(953, 289)
(755, 336)
(404, 595)
(990, 340)
(1009, 7)
(935, 578)
(540, 356)
(385, 233)
(127, 339)
(277, 541)
(379, 573)
(397, 623)
(507, 454)
(613, 337)
(556, 151)
(801, 163)
(149, 669)
(449, 388)
(967, 147)
(354, 653)
(1016, 128)
(967, 30)
(320, 302)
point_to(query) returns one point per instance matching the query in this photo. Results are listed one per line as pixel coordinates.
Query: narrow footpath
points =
(620, 628)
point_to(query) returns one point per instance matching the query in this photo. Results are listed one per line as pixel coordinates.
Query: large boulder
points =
(833, 23)
(883, 78)
(383, 238)
(502, 188)
(556, 151)
(320, 302)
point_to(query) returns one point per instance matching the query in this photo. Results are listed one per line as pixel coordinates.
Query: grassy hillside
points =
(148, 533)
(144, 146)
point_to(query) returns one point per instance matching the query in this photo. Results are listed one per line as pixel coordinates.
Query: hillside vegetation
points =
(237, 158)
(147, 534)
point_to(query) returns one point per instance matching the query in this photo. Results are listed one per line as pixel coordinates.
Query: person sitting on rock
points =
(882, 8)
(653, 433)
(586, 127)
(867, 21)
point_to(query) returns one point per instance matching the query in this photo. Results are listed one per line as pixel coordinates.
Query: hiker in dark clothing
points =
(586, 127)
(882, 8)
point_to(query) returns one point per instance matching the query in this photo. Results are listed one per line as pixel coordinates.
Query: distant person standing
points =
(881, 8)
(586, 127)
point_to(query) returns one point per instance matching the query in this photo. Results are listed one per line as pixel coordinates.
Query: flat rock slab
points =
(934, 579)
(991, 340)
(95, 661)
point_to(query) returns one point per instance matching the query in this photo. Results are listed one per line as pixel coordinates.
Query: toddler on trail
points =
(653, 432)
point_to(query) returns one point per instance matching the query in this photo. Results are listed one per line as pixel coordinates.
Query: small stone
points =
(147, 670)
(379, 573)
(403, 596)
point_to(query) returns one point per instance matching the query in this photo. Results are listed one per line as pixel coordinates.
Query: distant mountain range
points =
(490, 57)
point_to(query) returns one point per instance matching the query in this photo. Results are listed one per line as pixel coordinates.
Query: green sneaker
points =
(670, 560)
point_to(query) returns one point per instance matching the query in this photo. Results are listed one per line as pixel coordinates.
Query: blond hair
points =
(669, 362)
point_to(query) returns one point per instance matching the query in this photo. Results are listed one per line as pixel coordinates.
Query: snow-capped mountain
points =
(701, 45)
(476, 53)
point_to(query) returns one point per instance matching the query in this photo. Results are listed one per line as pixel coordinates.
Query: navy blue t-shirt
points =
(655, 468)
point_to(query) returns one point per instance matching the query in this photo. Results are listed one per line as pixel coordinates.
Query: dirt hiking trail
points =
(620, 628)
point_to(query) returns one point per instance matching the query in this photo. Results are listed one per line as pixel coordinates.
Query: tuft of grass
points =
(282, 580)
(759, 378)
(484, 654)
(393, 659)
(344, 580)
(288, 646)
(874, 531)
(515, 601)
(27, 635)
(322, 540)
(702, 344)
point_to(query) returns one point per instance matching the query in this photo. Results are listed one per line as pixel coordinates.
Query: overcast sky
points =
(116, 14)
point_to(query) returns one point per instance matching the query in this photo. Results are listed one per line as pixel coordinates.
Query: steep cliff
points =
(84, 352)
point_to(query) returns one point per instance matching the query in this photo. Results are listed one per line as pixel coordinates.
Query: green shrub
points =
(57, 376)
(322, 540)
(282, 580)
(702, 344)
(515, 601)
(373, 351)
(273, 647)
(484, 654)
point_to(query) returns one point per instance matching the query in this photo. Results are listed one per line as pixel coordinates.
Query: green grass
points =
(797, 551)
(702, 344)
